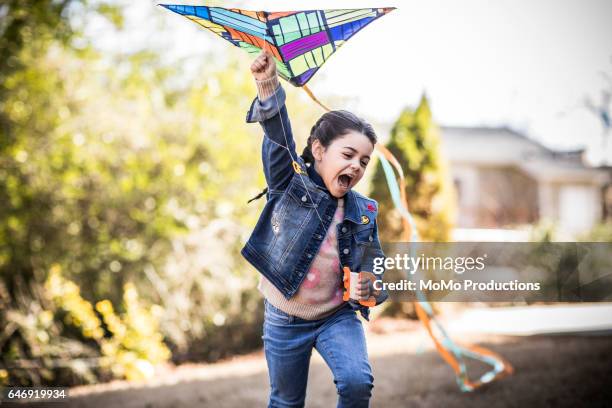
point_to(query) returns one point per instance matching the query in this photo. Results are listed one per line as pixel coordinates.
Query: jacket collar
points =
(314, 176)
(351, 210)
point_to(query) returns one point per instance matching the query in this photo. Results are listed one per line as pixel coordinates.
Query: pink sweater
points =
(320, 293)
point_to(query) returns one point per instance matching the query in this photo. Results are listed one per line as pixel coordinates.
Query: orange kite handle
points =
(370, 301)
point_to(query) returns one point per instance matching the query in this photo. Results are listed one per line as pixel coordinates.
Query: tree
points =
(121, 179)
(415, 142)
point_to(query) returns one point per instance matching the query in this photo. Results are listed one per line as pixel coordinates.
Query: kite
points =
(301, 41)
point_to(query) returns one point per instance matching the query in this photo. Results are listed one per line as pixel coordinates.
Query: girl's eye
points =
(364, 163)
(346, 155)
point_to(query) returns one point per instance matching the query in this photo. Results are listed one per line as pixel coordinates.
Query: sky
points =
(527, 65)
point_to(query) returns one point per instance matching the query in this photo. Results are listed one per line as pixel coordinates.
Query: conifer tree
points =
(415, 142)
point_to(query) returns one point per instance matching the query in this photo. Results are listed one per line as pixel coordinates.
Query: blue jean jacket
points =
(299, 211)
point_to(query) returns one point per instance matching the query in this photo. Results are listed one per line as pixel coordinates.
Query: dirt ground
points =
(550, 371)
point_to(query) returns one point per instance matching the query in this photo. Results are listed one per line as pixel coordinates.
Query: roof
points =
(504, 147)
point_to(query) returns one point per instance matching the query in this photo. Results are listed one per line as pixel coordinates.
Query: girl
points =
(312, 225)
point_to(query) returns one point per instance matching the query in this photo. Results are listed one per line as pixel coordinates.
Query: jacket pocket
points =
(296, 210)
(364, 234)
(301, 195)
(362, 245)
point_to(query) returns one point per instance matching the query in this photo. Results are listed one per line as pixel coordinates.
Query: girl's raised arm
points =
(278, 149)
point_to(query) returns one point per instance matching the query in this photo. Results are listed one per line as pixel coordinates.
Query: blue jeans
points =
(339, 338)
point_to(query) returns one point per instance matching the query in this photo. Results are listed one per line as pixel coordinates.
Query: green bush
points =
(601, 232)
(130, 345)
(69, 341)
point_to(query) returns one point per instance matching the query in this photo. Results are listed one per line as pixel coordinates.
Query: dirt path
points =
(551, 371)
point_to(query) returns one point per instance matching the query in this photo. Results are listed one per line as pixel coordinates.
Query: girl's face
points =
(342, 164)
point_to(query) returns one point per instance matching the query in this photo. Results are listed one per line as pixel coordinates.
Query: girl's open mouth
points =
(344, 180)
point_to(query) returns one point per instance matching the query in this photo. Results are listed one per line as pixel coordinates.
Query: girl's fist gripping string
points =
(265, 74)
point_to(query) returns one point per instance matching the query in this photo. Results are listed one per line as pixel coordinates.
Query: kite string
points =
(314, 98)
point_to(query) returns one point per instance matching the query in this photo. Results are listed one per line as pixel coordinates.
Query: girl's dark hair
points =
(329, 127)
(335, 124)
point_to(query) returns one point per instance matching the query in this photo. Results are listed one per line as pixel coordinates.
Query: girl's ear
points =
(317, 149)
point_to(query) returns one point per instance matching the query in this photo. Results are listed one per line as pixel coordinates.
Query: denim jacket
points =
(299, 210)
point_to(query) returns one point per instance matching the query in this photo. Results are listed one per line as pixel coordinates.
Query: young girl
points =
(312, 225)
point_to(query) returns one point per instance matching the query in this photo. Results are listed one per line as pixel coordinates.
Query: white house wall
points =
(579, 207)
(468, 195)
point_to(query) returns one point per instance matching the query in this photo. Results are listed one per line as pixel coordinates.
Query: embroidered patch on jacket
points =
(371, 207)
(365, 219)
(297, 168)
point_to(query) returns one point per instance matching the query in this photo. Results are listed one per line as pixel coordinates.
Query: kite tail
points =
(407, 220)
(449, 350)
(314, 98)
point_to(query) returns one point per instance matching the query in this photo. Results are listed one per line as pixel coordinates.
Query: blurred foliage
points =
(131, 180)
(543, 231)
(27, 28)
(130, 344)
(26, 22)
(415, 142)
(135, 345)
(571, 269)
(547, 231)
(601, 232)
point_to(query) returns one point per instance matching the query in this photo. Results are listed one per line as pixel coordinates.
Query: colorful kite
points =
(301, 41)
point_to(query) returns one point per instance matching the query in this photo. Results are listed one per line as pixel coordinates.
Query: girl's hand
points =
(364, 288)
(264, 66)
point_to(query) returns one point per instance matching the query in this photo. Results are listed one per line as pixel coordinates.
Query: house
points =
(505, 180)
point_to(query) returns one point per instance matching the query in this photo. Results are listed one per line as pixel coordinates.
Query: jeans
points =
(339, 339)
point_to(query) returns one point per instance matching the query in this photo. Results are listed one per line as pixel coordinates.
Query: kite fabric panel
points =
(301, 41)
